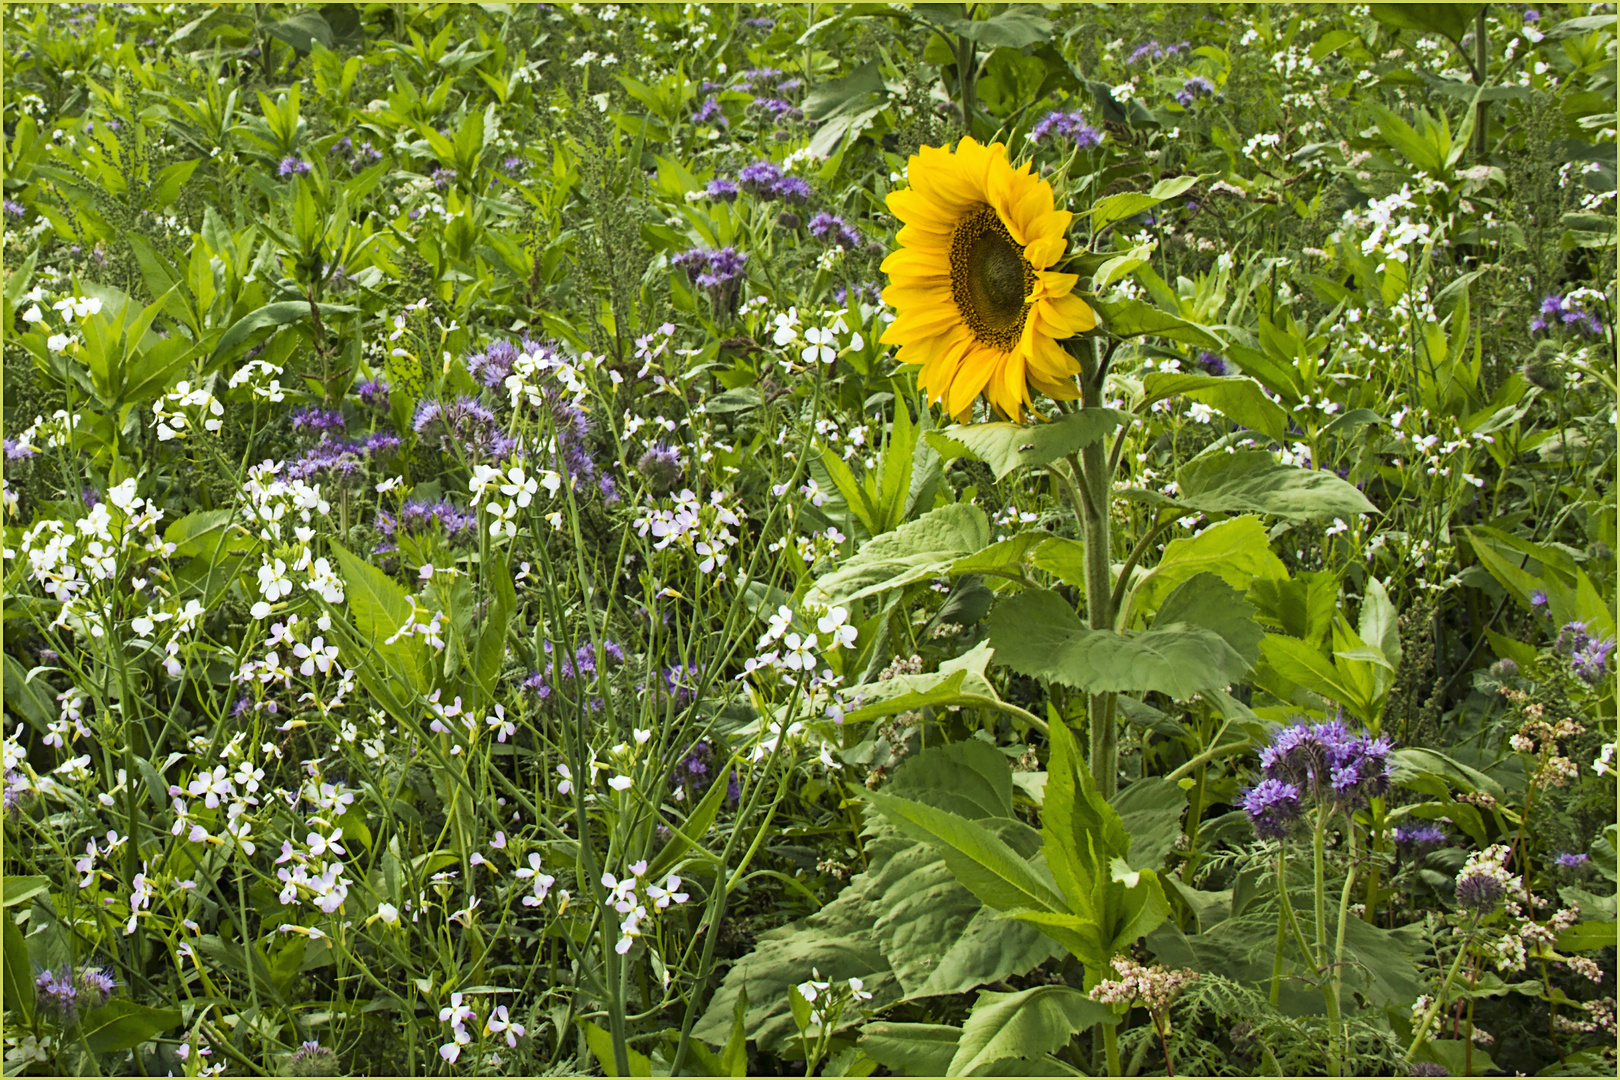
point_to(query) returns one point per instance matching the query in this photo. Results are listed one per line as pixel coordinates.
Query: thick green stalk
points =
(1096, 486)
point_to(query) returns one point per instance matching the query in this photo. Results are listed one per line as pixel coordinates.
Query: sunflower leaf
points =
(1005, 447)
(1133, 318)
(1238, 398)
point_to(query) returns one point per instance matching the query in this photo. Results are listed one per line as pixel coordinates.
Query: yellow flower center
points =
(989, 279)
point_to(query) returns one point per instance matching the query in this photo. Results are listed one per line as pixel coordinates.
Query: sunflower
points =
(976, 306)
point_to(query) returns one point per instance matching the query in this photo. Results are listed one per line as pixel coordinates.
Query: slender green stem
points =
(1282, 923)
(1111, 1048)
(1341, 1049)
(1439, 999)
(1329, 990)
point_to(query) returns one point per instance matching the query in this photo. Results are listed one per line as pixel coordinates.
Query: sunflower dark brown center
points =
(989, 279)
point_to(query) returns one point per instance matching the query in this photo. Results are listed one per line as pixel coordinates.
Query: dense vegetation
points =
(483, 595)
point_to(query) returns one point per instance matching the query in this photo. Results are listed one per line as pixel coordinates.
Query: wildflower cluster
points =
(1325, 762)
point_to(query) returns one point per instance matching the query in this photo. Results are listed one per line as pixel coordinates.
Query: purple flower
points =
(828, 226)
(792, 189)
(512, 164)
(1215, 365)
(536, 684)
(1572, 637)
(420, 516)
(724, 190)
(443, 178)
(374, 393)
(336, 460)
(720, 272)
(95, 986)
(465, 425)
(494, 364)
(15, 209)
(16, 786)
(1572, 860)
(312, 1059)
(778, 108)
(788, 86)
(1479, 891)
(317, 419)
(56, 995)
(710, 112)
(1427, 1068)
(1194, 88)
(16, 451)
(758, 178)
(292, 166)
(1592, 659)
(761, 23)
(1532, 16)
(733, 789)
(1272, 806)
(1425, 834)
(1329, 762)
(1538, 599)
(1560, 311)
(660, 467)
(868, 292)
(1071, 125)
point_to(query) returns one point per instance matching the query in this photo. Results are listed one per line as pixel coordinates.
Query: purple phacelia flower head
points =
(1572, 860)
(1481, 892)
(55, 995)
(12, 208)
(292, 165)
(791, 189)
(318, 420)
(710, 113)
(724, 190)
(1591, 660)
(1273, 806)
(1215, 365)
(373, 393)
(1065, 125)
(660, 468)
(1424, 834)
(759, 177)
(1194, 88)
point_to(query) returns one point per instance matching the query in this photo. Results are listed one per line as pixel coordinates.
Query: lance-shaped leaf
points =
(1134, 318)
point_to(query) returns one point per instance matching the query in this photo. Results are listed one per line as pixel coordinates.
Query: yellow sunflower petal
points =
(1045, 251)
(971, 378)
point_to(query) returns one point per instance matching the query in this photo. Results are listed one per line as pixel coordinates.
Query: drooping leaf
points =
(1134, 318)
(17, 991)
(911, 1049)
(1037, 634)
(1005, 447)
(122, 1024)
(1236, 397)
(916, 551)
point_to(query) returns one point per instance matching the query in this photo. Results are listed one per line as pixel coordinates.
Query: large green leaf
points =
(1450, 20)
(122, 1024)
(19, 889)
(916, 551)
(973, 776)
(984, 862)
(1151, 810)
(1024, 1024)
(1036, 633)
(17, 990)
(379, 607)
(1005, 447)
(1237, 550)
(844, 107)
(1254, 481)
(1238, 398)
(911, 1049)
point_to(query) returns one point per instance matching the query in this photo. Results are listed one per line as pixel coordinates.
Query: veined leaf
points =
(1254, 481)
(1236, 397)
(1005, 447)
(1025, 1024)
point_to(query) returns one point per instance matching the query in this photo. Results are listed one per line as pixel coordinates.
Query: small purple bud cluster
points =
(710, 113)
(777, 108)
(866, 291)
(1216, 365)
(1193, 89)
(765, 180)
(373, 393)
(13, 208)
(355, 158)
(342, 460)
(292, 165)
(825, 226)
(660, 467)
(1066, 125)
(1154, 51)
(572, 670)
(720, 272)
(747, 79)
(1420, 836)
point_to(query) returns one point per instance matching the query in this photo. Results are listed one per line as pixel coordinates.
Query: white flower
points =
(388, 913)
(522, 488)
(620, 782)
(799, 655)
(500, 1024)
(567, 784)
(787, 327)
(821, 346)
(836, 624)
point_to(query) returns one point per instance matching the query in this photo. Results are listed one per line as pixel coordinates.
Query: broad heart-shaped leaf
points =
(1005, 447)
(1237, 550)
(1236, 397)
(910, 1049)
(1023, 1025)
(917, 550)
(1037, 634)
(1206, 601)
(1133, 318)
(1254, 481)
(122, 1024)
(1015, 28)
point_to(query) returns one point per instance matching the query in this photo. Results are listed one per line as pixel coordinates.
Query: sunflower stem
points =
(1095, 482)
